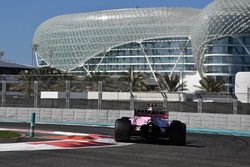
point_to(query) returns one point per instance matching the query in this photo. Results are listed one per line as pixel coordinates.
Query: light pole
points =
(248, 93)
(34, 50)
(1, 54)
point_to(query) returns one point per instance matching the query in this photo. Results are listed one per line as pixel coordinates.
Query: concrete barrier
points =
(52, 115)
(108, 117)
(213, 121)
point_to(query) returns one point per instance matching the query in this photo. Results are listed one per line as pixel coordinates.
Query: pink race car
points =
(150, 124)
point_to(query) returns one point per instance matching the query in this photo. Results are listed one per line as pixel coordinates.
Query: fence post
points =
(235, 106)
(35, 94)
(67, 86)
(132, 102)
(235, 103)
(200, 101)
(165, 101)
(248, 94)
(99, 95)
(3, 93)
(165, 104)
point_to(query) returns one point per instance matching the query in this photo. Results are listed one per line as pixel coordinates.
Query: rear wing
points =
(149, 113)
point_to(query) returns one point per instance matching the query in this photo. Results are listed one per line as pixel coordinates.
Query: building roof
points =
(66, 42)
(4, 64)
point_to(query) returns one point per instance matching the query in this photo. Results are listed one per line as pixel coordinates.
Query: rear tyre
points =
(122, 130)
(177, 134)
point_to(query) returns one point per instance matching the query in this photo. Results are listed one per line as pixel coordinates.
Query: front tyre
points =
(122, 130)
(177, 134)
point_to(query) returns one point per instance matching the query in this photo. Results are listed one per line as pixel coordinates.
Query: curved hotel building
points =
(214, 41)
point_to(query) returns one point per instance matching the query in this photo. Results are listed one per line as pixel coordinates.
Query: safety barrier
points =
(108, 117)
(52, 115)
(213, 121)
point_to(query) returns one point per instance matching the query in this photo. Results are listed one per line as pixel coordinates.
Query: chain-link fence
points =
(114, 95)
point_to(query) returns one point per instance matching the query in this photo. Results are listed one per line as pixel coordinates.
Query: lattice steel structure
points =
(221, 39)
(74, 42)
(216, 40)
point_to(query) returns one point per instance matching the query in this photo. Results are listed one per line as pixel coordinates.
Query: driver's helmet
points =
(151, 106)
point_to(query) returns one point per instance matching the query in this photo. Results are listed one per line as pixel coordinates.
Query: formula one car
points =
(150, 124)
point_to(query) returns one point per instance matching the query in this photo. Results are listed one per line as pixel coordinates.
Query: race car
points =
(150, 124)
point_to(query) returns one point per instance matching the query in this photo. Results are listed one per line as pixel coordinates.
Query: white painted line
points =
(26, 147)
(69, 133)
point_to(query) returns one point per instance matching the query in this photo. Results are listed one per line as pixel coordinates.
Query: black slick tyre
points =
(122, 130)
(177, 133)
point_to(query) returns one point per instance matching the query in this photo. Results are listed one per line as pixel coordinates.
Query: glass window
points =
(230, 50)
(225, 69)
(148, 45)
(230, 40)
(190, 67)
(162, 52)
(127, 52)
(247, 41)
(134, 52)
(239, 50)
(222, 41)
(189, 52)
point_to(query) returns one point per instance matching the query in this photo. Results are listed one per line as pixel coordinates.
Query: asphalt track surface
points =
(201, 150)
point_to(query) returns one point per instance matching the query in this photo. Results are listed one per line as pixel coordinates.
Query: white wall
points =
(108, 117)
(213, 121)
(62, 95)
(54, 115)
(143, 96)
(242, 84)
(192, 81)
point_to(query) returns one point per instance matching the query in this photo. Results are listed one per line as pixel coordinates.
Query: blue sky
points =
(20, 18)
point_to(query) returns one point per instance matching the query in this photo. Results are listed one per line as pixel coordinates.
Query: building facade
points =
(214, 41)
(221, 40)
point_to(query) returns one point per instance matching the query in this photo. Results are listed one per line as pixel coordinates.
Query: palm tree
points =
(24, 85)
(171, 83)
(134, 81)
(209, 84)
(50, 79)
(91, 81)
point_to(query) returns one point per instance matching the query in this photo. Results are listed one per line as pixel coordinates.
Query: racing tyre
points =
(122, 130)
(177, 134)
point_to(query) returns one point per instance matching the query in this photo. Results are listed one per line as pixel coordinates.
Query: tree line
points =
(51, 79)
